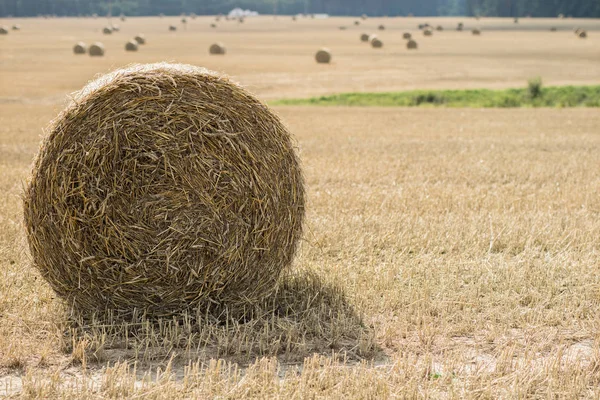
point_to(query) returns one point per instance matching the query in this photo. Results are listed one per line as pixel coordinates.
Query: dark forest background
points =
(502, 8)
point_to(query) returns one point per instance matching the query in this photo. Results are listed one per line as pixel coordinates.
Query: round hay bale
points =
(3, 30)
(364, 37)
(115, 28)
(439, 28)
(406, 35)
(241, 20)
(476, 31)
(364, 16)
(428, 32)
(96, 50)
(411, 45)
(217, 48)
(582, 34)
(184, 20)
(357, 23)
(164, 188)
(140, 39)
(553, 29)
(323, 56)
(172, 28)
(381, 27)
(342, 28)
(460, 26)
(577, 31)
(107, 30)
(213, 25)
(16, 27)
(80, 48)
(131, 46)
(376, 43)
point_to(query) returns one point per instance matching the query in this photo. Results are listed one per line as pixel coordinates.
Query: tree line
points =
(496, 8)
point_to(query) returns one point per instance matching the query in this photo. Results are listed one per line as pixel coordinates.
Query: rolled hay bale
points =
(172, 28)
(460, 26)
(342, 28)
(213, 25)
(439, 28)
(140, 39)
(3, 30)
(356, 22)
(364, 37)
(107, 30)
(115, 28)
(553, 29)
(80, 48)
(428, 32)
(424, 26)
(406, 35)
(381, 27)
(582, 34)
(294, 18)
(323, 56)
(16, 27)
(411, 45)
(241, 20)
(476, 31)
(376, 43)
(96, 50)
(131, 46)
(184, 20)
(217, 48)
(164, 188)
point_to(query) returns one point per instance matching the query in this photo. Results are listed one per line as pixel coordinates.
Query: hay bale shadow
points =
(303, 316)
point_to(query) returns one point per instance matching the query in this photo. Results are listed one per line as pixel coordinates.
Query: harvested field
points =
(447, 253)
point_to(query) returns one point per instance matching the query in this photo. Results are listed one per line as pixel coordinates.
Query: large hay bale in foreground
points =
(323, 56)
(364, 37)
(96, 50)
(3, 30)
(131, 46)
(80, 48)
(406, 35)
(140, 39)
(164, 187)
(376, 42)
(217, 48)
(411, 45)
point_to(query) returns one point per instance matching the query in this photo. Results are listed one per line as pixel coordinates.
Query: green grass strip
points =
(564, 96)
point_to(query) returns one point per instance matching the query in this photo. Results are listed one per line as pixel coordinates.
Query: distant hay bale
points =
(424, 26)
(172, 28)
(381, 27)
(241, 20)
(553, 29)
(411, 45)
(323, 56)
(213, 25)
(16, 27)
(184, 20)
(131, 46)
(364, 37)
(356, 22)
(582, 34)
(107, 30)
(460, 26)
(577, 31)
(428, 32)
(217, 48)
(294, 18)
(406, 35)
(164, 188)
(3, 30)
(80, 48)
(342, 28)
(115, 28)
(140, 39)
(364, 16)
(476, 31)
(96, 50)
(439, 28)
(123, 19)
(376, 43)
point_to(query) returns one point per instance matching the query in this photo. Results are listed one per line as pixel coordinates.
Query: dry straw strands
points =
(80, 48)
(131, 46)
(217, 48)
(411, 45)
(164, 187)
(97, 49)
(323, 56)
(140, 39)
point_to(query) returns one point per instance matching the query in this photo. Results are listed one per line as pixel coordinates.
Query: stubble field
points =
(447, 253)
